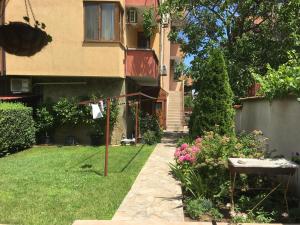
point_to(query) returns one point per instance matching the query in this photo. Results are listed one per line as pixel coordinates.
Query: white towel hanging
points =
(96, 111)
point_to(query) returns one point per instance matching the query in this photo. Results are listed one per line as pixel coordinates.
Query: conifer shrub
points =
(213, 103)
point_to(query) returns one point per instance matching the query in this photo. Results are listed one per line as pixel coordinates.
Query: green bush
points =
(66, 111)
(150, 123)
(201, 167)
(188, 102)
(281, 82)
(44, 120)
(17, 130)
(201, 206)
(213, 103)
(149, 137)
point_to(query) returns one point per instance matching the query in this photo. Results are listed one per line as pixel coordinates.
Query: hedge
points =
(17, 130)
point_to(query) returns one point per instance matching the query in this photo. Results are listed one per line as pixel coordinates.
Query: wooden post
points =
(136, 122)
(107, 135)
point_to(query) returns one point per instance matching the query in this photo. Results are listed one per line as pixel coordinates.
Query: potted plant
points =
(22, 39)
(44, 122)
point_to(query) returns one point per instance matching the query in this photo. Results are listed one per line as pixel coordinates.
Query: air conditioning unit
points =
(163, 70)
(20, 85)
(132, 16)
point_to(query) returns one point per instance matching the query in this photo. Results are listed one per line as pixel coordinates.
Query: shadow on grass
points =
(130, 161)
(80, 162)
(88, 167)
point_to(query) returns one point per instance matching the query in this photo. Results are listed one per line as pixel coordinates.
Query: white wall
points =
(279, 120)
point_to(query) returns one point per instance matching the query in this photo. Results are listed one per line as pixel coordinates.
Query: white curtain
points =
(108, 25)
(91, 22)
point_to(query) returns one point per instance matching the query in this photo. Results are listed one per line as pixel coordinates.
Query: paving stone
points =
(155, 195)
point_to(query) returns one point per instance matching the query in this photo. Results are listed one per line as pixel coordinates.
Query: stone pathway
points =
(155, 195)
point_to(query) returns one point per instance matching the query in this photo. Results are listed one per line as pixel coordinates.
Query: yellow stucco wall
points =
(67, 55)
(155, 42)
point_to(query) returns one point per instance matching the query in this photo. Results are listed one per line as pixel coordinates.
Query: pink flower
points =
(187, 157)
(177, 153)
(198, 140)
(181, 158)
(184, 146)
(195, 149)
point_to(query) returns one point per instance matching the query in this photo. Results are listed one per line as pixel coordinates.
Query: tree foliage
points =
(252, 33)
(282, 82)
(213, 103)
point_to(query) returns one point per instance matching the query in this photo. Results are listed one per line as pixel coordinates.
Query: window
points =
(103, 22)
(143, 41)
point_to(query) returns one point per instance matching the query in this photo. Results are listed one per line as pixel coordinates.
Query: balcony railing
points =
(141, 63)
(137, 3)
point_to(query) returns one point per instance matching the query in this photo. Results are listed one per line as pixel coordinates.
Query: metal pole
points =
(107, 135)
(136, 122)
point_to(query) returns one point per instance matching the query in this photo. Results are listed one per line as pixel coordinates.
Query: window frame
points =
(118, 22)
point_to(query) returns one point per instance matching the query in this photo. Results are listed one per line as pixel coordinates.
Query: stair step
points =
(175, 117)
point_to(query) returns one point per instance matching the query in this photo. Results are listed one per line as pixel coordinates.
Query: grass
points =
(51, 185)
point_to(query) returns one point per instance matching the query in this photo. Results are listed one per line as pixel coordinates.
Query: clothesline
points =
(117, 97)
(107, 133)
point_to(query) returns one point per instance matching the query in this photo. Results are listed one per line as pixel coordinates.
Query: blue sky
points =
(188, 60)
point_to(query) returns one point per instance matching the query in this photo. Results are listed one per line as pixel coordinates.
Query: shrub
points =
(44, 120)
(17, 130)
(201, 166)
(281, 82)
(150, 123)
(68, 111)
(149, 137)
(213, 103)
(188, 102)
(200, 206)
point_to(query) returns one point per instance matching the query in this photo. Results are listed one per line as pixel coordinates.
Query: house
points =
(98, 47)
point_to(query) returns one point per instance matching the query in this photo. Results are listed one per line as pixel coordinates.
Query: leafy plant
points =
(283, 81)
(197, 207)
(66, 111)
(149, 137)
(250, 36)
(150, 123)
(200, 206)
(44, 120)
(201, 167)
(188, 102)
(149, 23)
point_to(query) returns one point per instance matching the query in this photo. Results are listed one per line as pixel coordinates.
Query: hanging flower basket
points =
(21, 39)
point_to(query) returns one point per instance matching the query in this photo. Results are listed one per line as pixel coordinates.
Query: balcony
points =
(142, 66)
(140, 3)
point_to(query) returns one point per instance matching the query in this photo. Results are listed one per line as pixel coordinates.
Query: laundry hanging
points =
(101, 106)
(96, 111)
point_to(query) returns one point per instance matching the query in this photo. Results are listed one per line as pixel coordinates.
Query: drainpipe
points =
(3, 62)
(161, 54)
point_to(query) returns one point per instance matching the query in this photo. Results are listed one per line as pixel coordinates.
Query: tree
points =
(252, 33)
(213, 103)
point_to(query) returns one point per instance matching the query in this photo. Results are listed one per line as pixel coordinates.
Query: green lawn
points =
(51, 185)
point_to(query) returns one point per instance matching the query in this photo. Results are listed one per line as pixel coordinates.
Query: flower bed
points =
(201, 167)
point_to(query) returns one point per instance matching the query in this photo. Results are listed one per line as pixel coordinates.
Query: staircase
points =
(175, 113)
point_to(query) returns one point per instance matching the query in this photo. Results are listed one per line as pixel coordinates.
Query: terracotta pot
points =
(253, 89)
(237, 106)
(21, 39)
